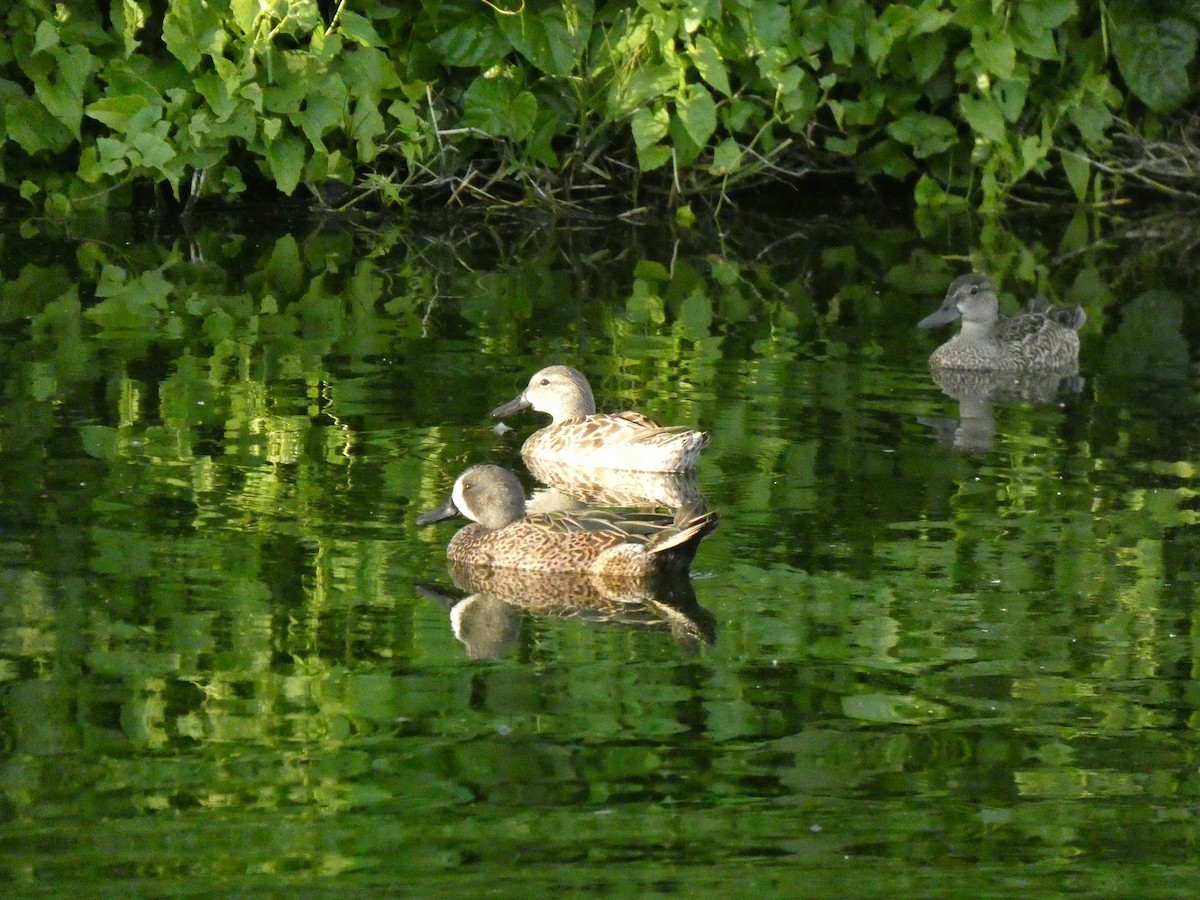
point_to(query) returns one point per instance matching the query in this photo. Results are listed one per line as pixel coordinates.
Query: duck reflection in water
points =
(488, 619)
(1030, 357)
(977, 393)
(569, 487)
(604, 565)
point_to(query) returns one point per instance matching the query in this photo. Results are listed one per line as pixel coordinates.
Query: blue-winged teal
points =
(1039, 338)
(580, 436)
(600, 542)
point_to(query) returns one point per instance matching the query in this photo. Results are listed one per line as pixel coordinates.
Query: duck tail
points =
(1072, 317)
(678, 545)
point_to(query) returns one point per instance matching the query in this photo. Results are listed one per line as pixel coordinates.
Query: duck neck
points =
(502, 512)
(977, 331)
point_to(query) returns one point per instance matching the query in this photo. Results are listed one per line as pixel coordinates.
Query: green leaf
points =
(1045, 14)
(1079, 173)
(770, 25)
(129, 303)
(1091, 117)
(1153, 55)
(474, 43)
(883, 33)
(1010, 94)
(552, 37)
(707, 60)
(927, 134)
(154, 149)
(984, 116)
(498, 107)
(30, 125)
(927, 52)
(651, 158)
(191, 29)
(651, 270)
(366, 125)
(648, 127)
(62, 95)
(128, 18)
(359, 29)
(323, 109)
(727, 157)
(644, 305)
(648, 83)
(285, 159)
(685, 150)
(696, 315)
(116, 112)
(284, 271)
(45, 36)
(698, 114)
(245, 13)
(995, 53)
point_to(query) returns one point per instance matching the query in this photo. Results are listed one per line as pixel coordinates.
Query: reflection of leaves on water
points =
(1149, 342)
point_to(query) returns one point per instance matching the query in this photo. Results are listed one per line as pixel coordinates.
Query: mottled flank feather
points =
(1040, 337)
(580, 436)
(601, 542)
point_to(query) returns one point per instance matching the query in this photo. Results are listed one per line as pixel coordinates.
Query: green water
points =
(941, 649)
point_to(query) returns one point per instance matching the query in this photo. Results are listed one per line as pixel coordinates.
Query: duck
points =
(593, 541)
(579, 436)
(1039, 338)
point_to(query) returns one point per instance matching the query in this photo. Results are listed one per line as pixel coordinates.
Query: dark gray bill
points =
(512, 406)
(446, 511)
(945, 314)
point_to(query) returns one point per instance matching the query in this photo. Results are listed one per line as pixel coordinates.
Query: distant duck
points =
(600, 542)
(1040, 337)
(579, 436)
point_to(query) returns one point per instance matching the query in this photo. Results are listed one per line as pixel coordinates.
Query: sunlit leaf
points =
(116, 112)
(359, 29)
(708, 62)
(698, 113)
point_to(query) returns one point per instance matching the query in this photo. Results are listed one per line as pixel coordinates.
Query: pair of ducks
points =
(593, 541)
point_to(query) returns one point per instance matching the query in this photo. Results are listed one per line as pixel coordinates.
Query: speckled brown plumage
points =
(1039, 338)
(601, 542)
(579, 435)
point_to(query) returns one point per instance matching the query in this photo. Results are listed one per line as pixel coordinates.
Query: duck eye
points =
(545, 381)
(974, 290)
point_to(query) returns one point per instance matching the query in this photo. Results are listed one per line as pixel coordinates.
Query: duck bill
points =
(446, 511)
(944, 315)
(512, 406)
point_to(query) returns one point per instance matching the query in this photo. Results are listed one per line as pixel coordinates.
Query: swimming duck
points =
(580, 436)
(1039, 338)
(600, 542)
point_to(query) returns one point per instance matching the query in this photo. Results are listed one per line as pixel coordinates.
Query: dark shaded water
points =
(937, 646)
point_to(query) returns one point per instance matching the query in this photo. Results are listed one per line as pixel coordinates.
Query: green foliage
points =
(966, 98)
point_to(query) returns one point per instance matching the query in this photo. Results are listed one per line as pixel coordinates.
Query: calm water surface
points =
(938, 646)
